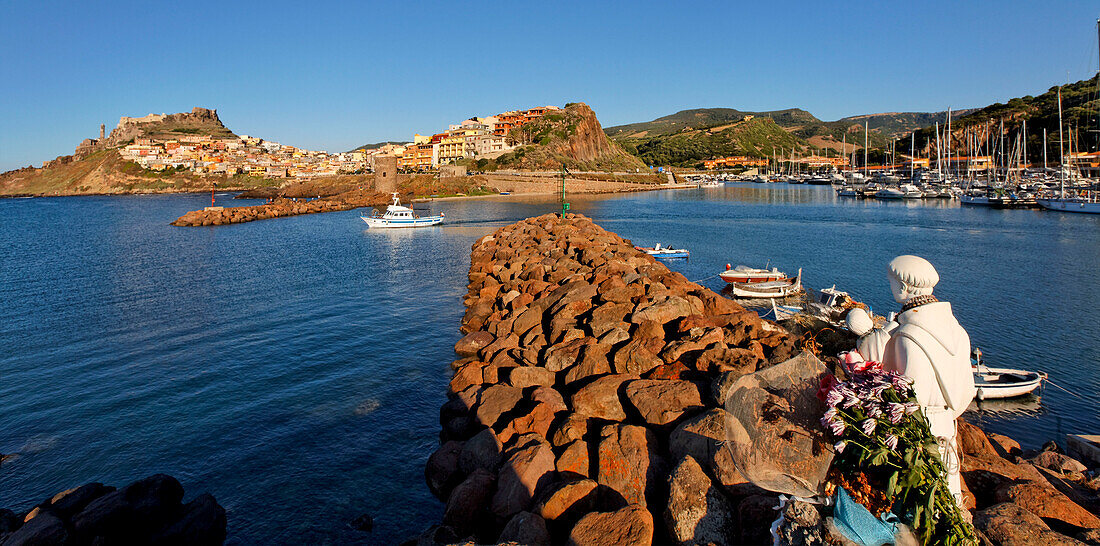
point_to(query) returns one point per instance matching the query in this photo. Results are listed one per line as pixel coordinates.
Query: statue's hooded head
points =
(859, 322)
(911, 276)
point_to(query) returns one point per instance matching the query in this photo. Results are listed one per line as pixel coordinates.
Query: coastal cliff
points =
(572, 137)
(590, 400)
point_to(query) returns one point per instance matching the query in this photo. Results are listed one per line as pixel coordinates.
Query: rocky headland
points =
(589, 406)
(148, 511)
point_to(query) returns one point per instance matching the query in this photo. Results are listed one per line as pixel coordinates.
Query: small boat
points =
(910, 191)
(819, 181)
(995, 383)
(710, 184)
(666, 253)
(849, 192)
(747, 275)
(831, 304)
(784, 312)
(890, 193)
(768, 290)
(397, 216)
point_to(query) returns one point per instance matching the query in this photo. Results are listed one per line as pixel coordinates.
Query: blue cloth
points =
(859, 525)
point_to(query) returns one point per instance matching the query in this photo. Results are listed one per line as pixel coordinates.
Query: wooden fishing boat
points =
(746, 274)
(768, 290)
(994, 383)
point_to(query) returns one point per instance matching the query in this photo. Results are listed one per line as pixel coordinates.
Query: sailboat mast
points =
(948, 139)
(1061, 152)
(912, 146)
(1044, 149)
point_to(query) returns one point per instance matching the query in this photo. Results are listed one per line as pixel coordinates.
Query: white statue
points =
(872, 341)
(931, 348)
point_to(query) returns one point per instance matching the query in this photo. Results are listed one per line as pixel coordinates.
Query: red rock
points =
(573, 427)
(466, 505)
(1009, 524)
(483, 450)
(661, 402)
(1058, 462)
(630, 526)
(442, 471)
(569, 501)
(600, 398)
(663, 311)
(538, 420)
(607, 317)
(594, 361)
(1006, 447)
(1048, 503)
(466, 376)
(673, 371)
(628, 461)
(634, 358)
(473, 342)
(494, 401)
(521, 477)
(703, 438)
(574, 460)
(529, 376)
(697, 511)
(510, 341)
(525, 528)
(563, 355)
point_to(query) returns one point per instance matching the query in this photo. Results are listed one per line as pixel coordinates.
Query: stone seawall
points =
(591, 374)
(588, 406)
(277, 208)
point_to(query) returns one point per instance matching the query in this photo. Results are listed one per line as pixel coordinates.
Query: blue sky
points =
(326, 75)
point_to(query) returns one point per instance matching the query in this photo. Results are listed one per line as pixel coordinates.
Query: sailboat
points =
(1086, 202)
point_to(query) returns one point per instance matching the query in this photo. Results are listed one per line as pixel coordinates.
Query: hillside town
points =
(245, 155)
(477, 137)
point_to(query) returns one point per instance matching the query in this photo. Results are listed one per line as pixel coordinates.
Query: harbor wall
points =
(588, 406)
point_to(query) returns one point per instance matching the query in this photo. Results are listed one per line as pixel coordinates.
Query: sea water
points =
(294, 368)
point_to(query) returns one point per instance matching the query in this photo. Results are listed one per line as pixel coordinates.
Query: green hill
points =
(571, 137)
(1079, 113)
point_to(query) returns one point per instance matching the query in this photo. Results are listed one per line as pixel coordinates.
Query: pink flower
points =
(891, 441)
(896, 412)
(839, 446)
(911, 408)
(868, 426)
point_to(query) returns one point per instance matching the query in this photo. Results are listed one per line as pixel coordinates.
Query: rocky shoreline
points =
(278, 208)
(588, 406)
(148, 511)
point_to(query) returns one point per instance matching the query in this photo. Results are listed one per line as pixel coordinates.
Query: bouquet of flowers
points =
(886, 458)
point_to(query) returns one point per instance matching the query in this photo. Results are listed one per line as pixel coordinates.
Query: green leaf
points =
(892, 484)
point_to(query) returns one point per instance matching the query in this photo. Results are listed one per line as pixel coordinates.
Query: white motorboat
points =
(1071, 204)
(658, 252)
(710, 184)
(995, 383)
(768, 290)
(890, 193)
(831, 304)
(747, 275)
(398, 216)
(975, 198)
(910, 191)
(849, 192)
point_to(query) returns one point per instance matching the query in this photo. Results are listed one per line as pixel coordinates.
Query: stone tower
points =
(385, 173)
(102, 131)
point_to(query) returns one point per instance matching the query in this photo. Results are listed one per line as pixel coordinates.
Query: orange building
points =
(734, 161)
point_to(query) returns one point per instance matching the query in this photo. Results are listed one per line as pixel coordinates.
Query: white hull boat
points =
(1085, 206)
(768, 290)
(745, 275)
(994, 383)
(657, 251)
(890, 193)
(398, 216)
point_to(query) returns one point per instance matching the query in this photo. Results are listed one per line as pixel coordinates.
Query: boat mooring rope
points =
(1063, 389)
(706, 278)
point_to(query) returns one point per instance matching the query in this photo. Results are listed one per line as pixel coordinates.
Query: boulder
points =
(529, 376)
(67, 503)
(525, 528)
(697, 511)
(202, 523)
(629, 526)
(703, 438)
(568, 501)
(520, 478)
(132, 511)
(608, 317)
(635, 358)
(600, 398)
(1041, 499)
(628, 462)
(483, 450)
(45, 529)
(574, 460)
(661, 402)
(568, 429)
(1009, 524)
(1058, 462)
(494, 401)
(663, 310)
(563, 355)
(473, 342)
(466, 507)
(442, 471)
(775, 434)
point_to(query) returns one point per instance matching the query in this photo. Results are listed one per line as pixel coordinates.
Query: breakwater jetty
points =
(148, 511)
(279, 208)
(589, 405)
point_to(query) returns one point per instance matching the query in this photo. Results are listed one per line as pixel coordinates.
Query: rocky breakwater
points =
(277, 208)
(148, 511)
(586, 404)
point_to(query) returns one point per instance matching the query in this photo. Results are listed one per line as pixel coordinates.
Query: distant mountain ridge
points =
(688, 137)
